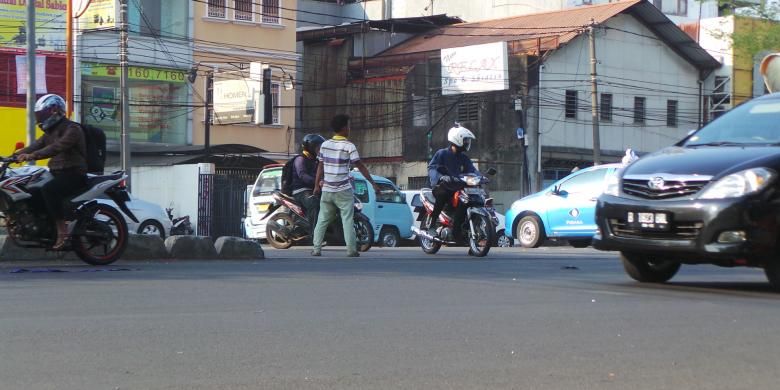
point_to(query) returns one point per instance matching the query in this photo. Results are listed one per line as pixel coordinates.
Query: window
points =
(671, 113)
(164, 18)
(276, 98)
(591, 182)
(389, 194)
(606, 107)
(571, 104)
(217, 9)
(468, 110)
(243, 10)
(418, 182)
(639, 110)
(271, 11)
(672, 7)
(361, 190)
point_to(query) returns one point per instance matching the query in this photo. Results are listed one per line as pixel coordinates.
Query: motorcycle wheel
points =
(277, 240)
(363, 232)
(428, 246)
(101, 240)
(483, 236)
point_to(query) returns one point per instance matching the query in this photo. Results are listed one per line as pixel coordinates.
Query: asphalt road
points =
(555, 318)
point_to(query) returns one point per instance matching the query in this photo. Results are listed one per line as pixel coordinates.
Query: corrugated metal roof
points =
(557, 26)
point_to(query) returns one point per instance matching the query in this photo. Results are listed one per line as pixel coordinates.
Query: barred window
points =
(639, 110)
(418, 182)
(244, 10)
(606, 107)
(671, 113)
(571, 104)
(276, 98)
(468, 109)
(216, 8)
(271, 11)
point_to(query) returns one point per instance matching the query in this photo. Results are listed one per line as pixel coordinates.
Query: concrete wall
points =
(173, 186)
(629, 66)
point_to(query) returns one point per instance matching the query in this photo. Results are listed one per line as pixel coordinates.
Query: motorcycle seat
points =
(93, 180)
(288, 197)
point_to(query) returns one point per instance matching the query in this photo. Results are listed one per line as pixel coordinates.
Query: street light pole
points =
(125, 93)
(594, 108)
(31, 73)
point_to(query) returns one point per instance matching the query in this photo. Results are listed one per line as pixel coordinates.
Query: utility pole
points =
(594, 102)
(207, 114)
(31, 73)
(125, 92)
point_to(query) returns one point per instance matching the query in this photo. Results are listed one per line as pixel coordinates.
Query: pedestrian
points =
(337, 156)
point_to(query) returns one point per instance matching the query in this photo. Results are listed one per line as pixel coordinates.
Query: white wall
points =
(172, 186)
(629, 66)
(472, 11)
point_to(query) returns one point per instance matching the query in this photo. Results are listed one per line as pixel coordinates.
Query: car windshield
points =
(268, 182)
(754, 123)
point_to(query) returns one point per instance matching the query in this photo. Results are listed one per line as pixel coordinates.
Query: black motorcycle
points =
(289, 226)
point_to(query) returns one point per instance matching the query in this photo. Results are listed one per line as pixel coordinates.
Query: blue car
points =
(565, 210)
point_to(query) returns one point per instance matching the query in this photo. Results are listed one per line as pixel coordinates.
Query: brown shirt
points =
(64, 144)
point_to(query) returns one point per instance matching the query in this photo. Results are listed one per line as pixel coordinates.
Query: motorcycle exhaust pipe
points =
(426, 235)
(278, 229)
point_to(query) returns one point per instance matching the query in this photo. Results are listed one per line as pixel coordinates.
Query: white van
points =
(268, 181)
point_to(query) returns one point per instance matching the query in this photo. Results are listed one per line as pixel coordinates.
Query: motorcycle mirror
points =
(492, 171)
(19, 146)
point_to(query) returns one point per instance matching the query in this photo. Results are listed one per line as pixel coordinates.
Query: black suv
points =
(712, 198)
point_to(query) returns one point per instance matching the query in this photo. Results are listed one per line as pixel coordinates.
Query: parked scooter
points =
(181, 226)
(290, 226)
(98, 232)
(478, 231)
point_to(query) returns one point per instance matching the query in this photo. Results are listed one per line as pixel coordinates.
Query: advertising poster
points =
(40, 75)
(49, 24)
(100, 14)
(234, 100)
(478, 68)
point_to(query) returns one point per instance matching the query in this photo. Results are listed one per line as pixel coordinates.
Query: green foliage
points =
(759, 29)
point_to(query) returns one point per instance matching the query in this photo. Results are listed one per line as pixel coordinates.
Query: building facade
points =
(228, 37)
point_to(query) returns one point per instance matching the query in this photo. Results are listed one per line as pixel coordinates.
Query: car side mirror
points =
(492, 171)
(19, 146)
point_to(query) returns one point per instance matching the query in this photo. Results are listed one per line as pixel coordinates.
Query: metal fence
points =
(222, 201)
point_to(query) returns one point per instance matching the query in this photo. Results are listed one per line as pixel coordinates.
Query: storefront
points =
(159, 102)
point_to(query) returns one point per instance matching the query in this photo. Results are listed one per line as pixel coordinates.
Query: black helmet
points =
(311, 142)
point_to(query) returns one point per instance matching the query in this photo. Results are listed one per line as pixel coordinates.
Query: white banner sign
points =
(40, 75)
(478, 68)
(234, 100)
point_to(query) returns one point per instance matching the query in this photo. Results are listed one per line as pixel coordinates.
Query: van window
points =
(389, 194)
(268, 182)
(361, 190)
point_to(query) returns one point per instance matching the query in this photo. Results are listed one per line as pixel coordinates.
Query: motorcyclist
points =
(444, 170)
(304, 174)
(64, 144)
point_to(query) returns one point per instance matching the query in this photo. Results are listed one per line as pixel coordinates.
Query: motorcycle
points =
(478, 230)
(291, 225)
(180, 226)
(98, 232)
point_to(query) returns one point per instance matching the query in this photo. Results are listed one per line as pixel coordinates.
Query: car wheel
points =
(151, 228)
(647, 269)
(504, 241)
(389, 237)
(529, 232)
(580, 243)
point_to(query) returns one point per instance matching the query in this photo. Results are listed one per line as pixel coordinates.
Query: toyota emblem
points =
(656, 183)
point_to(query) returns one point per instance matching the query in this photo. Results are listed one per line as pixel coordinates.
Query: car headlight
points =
(740, 183)
(612, 186)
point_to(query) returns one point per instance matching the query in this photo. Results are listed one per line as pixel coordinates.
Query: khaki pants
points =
(333, 204)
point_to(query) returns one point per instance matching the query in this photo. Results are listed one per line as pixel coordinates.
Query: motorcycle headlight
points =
(472, 180)
(740, 183)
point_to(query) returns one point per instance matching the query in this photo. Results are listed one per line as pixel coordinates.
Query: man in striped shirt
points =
(337, 156)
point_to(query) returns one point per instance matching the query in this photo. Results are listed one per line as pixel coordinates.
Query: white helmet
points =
(460, 137)
(44, 115)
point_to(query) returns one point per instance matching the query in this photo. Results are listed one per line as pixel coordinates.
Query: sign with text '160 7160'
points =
(478, 68)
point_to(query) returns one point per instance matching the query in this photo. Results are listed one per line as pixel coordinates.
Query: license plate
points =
(261, 207)
(648, 221)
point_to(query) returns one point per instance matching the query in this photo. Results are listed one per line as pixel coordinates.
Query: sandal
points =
(62, 242)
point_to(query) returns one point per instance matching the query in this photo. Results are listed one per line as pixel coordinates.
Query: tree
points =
(763, 26)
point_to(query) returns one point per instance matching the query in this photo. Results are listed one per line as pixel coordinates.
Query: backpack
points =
(96, 149)
(287, 176)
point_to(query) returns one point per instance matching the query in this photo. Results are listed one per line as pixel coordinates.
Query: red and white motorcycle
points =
(98, 232)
